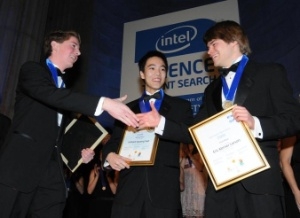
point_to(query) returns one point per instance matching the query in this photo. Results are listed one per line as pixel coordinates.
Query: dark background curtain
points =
(272, 26)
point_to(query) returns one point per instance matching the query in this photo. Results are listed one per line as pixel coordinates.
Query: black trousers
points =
(236, 202)
(4, 126)
(46, 201)
(142, 208)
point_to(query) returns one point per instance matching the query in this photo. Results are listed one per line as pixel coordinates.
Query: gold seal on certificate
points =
(149, 129)
(227, 104)
(139, 145)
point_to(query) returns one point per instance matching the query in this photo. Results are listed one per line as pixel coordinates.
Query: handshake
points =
(118, 110)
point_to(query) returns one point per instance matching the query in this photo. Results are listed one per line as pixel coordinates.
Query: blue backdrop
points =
(272, 27)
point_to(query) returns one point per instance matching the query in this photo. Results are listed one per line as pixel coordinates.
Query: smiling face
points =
(154, 74)
(226, 42)
(65, 54)
(223, 53)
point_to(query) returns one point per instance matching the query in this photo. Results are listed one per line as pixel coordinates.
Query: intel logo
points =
(173, 40)
(176, 39)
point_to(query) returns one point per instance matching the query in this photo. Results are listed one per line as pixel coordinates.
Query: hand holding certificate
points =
(139, 146)
(228, 149)
(83, 132)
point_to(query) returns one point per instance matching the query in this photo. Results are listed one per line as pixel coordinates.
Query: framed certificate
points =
(140, 146)
(82, 132)
(228, 149)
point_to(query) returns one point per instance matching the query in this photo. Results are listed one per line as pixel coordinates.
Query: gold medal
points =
(227, 104)
(150, 129)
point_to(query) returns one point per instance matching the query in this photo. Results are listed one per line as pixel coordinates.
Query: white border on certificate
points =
(139, 146)
(228, 149)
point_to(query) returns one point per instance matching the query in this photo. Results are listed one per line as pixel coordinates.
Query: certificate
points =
(228, 149)
(140, 146)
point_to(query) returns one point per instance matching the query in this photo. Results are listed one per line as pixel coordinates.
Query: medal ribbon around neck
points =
(102, 177)
(145, 105)
(53, 71)
(229, 93)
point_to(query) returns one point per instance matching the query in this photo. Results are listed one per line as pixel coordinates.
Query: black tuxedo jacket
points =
(34, 129)
(265, 91)
(162, 178)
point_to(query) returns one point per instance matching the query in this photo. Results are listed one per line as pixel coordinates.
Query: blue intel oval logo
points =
(173, 40)
(176, 39)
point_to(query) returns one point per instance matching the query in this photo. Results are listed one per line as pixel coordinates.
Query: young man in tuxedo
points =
(31, 179)
(264, 102)
(151, 191)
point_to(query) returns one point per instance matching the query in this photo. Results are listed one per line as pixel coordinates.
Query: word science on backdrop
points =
(179, 36)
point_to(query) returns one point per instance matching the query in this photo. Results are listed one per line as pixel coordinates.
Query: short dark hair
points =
(58, 36)
(150, 54)
(228, 31)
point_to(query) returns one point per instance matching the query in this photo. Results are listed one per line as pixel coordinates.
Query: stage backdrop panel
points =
(179, 36)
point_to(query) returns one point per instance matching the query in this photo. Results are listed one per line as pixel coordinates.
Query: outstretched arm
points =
(117, 109)
(150, 119)
(93, 179)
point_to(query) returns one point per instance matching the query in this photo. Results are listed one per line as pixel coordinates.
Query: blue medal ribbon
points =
(53, 71)
(102, 177)
(229, 93)
(145, 105)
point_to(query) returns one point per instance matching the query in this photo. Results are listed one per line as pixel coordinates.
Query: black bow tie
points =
(225, 71)
(59, 73)
(155, 95)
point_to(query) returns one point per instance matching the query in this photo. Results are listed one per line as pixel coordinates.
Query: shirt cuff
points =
(161, 126)
(106, 164)
(257, 131)
(99, 107)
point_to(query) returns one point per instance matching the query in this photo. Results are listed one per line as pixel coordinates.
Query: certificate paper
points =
(228, 149)
(140, 146)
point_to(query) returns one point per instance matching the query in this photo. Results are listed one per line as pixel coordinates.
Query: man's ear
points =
(142, 75)
(234, 43)
(54, 45)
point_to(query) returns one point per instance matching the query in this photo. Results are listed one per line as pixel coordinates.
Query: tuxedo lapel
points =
(165, 106)
(217, 95)
(243, 89)
(136, 108)
(244, 86)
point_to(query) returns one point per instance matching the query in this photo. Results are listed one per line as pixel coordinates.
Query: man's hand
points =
(242, 114)
(150, 119)
(87, 155)
(117, 162)
(117, 109)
